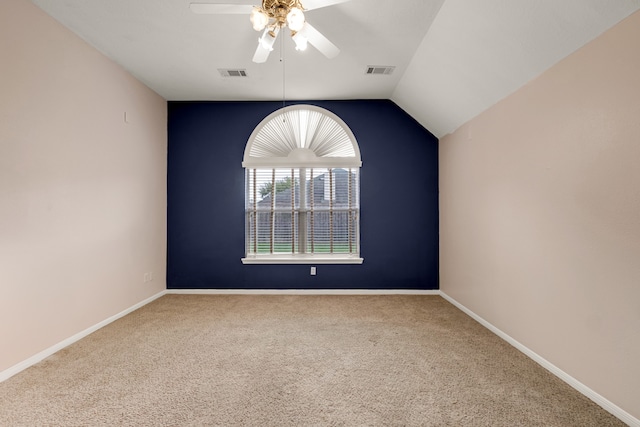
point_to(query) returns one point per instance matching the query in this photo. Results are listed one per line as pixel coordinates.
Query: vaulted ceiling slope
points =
(478, 52)
(453, 58)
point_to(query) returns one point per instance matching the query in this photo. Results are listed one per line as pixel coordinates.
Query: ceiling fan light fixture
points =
(272, 16)
(259, 19)
(295, 19)
(300, 41)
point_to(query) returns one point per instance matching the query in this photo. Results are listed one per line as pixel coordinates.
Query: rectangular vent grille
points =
(233, 73)
(380, 70)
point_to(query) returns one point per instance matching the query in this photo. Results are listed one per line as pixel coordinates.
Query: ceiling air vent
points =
(232, 73)
(380, 70)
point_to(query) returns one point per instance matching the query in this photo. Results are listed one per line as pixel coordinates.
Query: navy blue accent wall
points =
(399, 200)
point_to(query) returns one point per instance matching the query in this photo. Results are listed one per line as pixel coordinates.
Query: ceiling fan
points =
(271, 17)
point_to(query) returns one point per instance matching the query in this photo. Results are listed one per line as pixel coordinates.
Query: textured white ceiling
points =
(453, 58)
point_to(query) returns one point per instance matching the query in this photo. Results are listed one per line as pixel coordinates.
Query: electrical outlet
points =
(313, 271)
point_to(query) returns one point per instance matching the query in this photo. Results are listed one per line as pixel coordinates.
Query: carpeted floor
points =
(199, 360)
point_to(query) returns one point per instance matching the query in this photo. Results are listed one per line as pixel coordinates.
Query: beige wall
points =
(82, 193)
(540, 215)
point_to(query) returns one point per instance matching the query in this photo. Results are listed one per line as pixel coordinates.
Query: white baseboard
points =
(302, 292)
(8, 373)
(607, 405)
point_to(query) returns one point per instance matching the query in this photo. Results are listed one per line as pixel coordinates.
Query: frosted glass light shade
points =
(267, 40)
(295, 19)
(301, 41)
(258, 19)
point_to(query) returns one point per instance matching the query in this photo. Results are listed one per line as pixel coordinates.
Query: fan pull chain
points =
(283, 69)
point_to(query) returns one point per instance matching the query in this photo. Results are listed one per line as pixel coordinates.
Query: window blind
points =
(302, 211)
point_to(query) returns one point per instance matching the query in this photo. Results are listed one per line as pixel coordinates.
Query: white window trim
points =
(303, 259)
(306, 154)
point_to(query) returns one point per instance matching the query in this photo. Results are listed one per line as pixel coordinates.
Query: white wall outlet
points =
(313, 271)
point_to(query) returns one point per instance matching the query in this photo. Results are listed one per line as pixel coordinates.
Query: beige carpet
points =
(197, 360)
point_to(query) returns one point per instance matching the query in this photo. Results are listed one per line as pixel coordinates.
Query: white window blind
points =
(302, 211)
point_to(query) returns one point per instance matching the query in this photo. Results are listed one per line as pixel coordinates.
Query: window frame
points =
(302, 208)
(317, 138)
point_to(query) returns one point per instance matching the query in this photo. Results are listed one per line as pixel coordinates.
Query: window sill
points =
(303, 259)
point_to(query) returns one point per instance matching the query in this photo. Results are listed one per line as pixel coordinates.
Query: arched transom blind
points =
(302, 136)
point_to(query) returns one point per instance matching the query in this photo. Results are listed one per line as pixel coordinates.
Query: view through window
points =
(303, 210)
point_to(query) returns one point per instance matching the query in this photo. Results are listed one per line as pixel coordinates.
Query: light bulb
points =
(295, 19)
(259, 19)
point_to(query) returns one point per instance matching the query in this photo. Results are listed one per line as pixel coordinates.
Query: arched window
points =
(302, 193)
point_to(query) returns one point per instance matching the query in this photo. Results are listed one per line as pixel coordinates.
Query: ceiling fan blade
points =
(317, 4)
(265, 45)
(319, 41)
(261, 55)
(226, 8)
